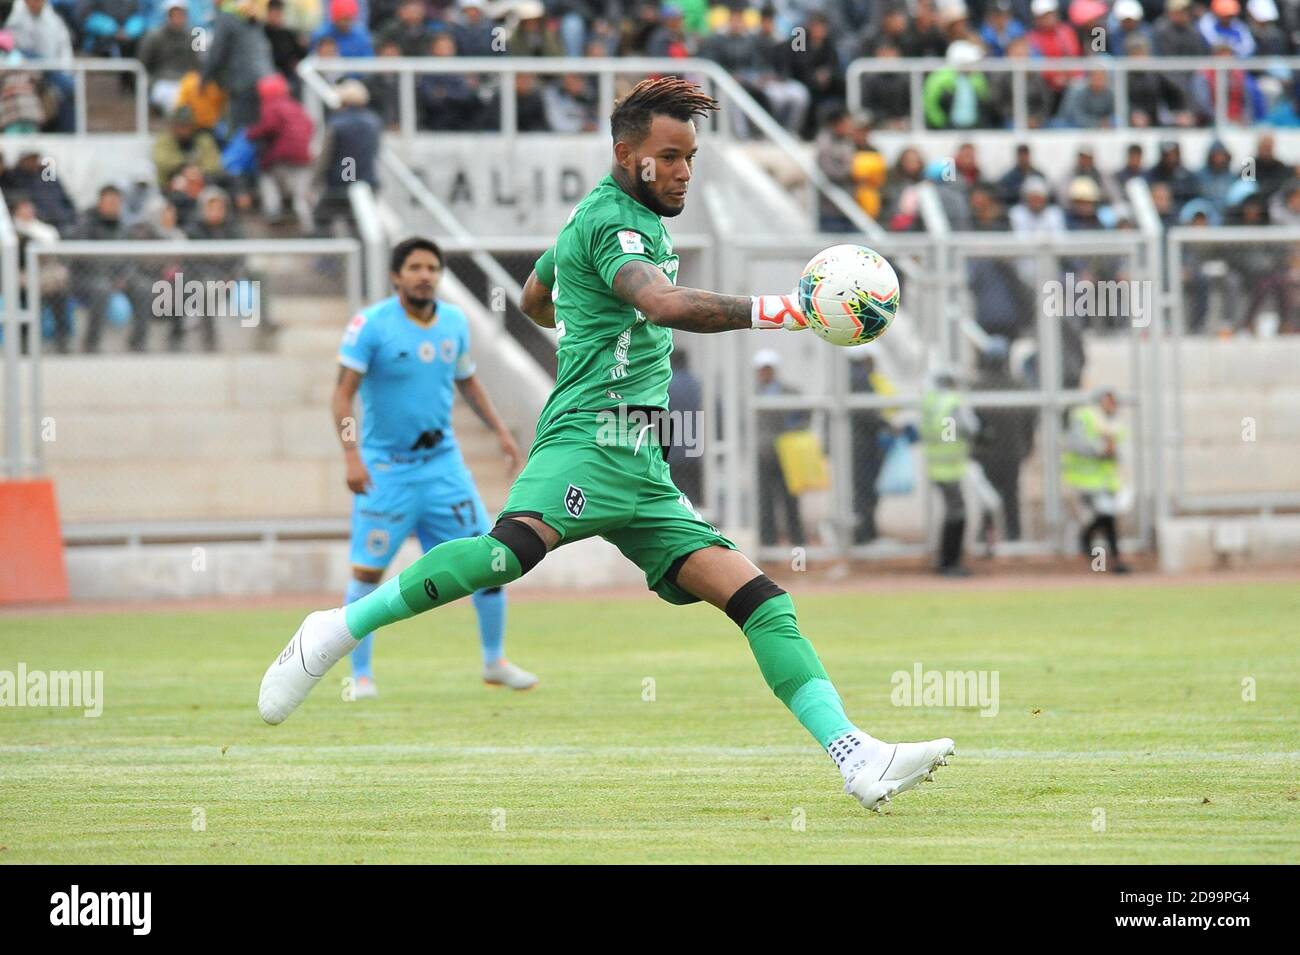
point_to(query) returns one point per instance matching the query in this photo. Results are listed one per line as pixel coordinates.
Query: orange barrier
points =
(31, 544)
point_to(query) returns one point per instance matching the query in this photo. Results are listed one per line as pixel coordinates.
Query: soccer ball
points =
(849, 294)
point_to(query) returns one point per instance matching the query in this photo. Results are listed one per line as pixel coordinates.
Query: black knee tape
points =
(524, 542)
(747, 599)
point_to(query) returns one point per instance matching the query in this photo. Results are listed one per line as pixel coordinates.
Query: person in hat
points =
(1126, 26)
(1270, 38)
(957, 96)
(1090, 470)
(1084, 200)
(284, 132)
(1036, 214)
(533, 35)
(183, 142)
(348, 153)
(772, 491)
(1222, 24)
(167, 53)
(1085, 165)
(1051, 39)
(347, 31)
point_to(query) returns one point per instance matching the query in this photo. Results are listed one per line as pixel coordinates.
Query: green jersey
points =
(608, 354)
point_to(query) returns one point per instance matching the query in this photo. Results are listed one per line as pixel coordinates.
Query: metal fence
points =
(1233, 282)
(1027, 93)
(142, 296)
(69, 85)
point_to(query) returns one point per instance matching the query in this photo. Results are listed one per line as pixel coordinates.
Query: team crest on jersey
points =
(448, 347)
(353, 331)
(377, 542)
(427, 352)
(575, 501)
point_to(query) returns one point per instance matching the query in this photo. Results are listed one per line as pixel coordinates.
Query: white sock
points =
(331, 642)
(854, 750)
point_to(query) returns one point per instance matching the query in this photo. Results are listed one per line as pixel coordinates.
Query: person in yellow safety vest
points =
(1090, 468)
(947, 425)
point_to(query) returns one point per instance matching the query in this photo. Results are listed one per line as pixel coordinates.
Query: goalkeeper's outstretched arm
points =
(645, 287)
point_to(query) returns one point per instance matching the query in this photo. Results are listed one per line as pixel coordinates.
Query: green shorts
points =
(586, 477)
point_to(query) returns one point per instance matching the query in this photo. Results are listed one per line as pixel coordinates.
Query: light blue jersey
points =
(406, 389)
(419, 482)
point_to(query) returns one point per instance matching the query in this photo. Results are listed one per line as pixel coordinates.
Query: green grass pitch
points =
(1122, 736)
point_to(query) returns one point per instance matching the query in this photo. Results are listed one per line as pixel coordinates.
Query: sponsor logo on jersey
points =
(575, 501)
(353, 330)
(430, 588)
(631, 242)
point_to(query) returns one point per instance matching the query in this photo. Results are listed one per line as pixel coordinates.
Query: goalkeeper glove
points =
(778, 311)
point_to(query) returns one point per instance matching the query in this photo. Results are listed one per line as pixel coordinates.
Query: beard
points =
(419, 302)
(645, 195)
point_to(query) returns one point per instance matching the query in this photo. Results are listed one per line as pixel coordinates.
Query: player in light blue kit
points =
(403, 354)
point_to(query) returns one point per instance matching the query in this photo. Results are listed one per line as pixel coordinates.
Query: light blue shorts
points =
(392, 510)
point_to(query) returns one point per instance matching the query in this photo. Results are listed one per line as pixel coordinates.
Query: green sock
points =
(790, 666)
(452, 570)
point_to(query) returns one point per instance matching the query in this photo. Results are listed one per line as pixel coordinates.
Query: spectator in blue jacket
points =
(111, 27)
(1222, 24)
(1000, 28)
(345, 29)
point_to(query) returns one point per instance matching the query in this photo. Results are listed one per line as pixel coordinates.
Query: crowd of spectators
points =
(1221, 189)
(232, 136)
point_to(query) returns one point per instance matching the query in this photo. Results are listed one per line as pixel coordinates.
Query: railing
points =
(79, 68)
(916, 70)
(1217, 277)
(716, 80)
(14, 461)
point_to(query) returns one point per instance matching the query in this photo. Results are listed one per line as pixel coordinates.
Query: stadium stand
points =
(989, 148)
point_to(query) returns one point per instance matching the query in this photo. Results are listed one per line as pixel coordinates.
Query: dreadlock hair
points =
(665, 96)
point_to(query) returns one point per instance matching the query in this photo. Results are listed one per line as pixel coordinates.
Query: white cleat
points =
(505, 673)
(321, 641)
(901, 766)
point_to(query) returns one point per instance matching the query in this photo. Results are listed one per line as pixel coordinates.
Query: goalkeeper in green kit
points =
(608, 287)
